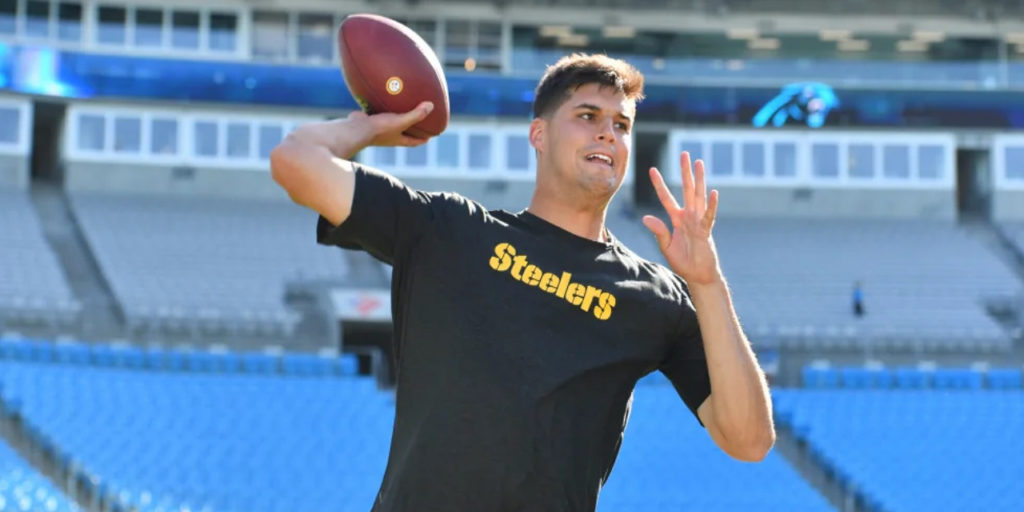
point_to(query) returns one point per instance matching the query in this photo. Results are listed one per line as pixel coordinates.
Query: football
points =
(389, 68)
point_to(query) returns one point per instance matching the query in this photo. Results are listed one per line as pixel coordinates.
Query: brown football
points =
(389, 68)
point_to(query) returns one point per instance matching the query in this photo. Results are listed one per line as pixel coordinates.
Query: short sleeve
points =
(686, 365)
(386, 218)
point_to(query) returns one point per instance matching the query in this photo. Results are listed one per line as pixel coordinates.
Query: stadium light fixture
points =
(742, 33)
(765, 43)
(555, 30)
(929, 36)
(912, 45)
(574, 40)
(834, 35)
(618, 32)
(853, 45)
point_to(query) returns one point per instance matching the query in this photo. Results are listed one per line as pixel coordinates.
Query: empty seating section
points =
(22, 488)
(159, 431)
(179, 263)
(915, 449)
(33, 287)
(668, 462)
(924, 282)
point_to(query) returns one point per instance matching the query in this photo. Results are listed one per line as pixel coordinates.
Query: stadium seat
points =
(1004, 378)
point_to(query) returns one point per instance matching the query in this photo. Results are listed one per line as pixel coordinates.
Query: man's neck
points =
(586, 222)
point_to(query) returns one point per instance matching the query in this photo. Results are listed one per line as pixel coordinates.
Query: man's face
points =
(585, 144)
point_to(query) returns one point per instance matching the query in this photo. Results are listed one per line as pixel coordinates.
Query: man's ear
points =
(538, 133)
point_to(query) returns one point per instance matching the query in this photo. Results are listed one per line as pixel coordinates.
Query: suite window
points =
(448, 150)
(163, 136)
(111, 28)
(316, 37)
(185, 30)
(37, 18)
(825, 160)
(127, 134)
(149, 27)
(785, 159)
(10, 124)
(91, 132)
(69, 21)
(861, 161)
(270, 36)
(223, 31)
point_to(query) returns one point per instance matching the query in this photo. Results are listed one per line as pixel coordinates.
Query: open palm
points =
(688, 247)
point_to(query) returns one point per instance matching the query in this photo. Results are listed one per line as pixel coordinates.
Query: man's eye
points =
(587, 115)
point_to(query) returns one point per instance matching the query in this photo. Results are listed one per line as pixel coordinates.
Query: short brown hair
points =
(578, 69)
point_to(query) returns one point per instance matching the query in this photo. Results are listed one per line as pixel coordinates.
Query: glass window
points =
(456, 43)
(270, 136)
(721, 159)
(695, 147)
(517, 152)
(427, 29)
(238, 140)
(185, 29)
(127, 134)
(448, 150)
(37, 18)
(270, 34)
(149, 27)
(163, 138)
(416, 156)
(785, 159)
(384, 156)
(69, 21)
(896, 161)
(825, 160)
(316, 38)
(10, 124)
(753, 158)
(223, 31)
(111, 25)
(480, 151)
(931, 162)
(91, 132)
(861, 161)
(205, 138)
(8, 16)
(488, 45)
(1014, 163)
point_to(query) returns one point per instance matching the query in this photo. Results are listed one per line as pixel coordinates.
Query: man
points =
(519, 337)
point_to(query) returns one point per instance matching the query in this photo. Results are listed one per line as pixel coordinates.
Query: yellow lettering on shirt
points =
(586, 297)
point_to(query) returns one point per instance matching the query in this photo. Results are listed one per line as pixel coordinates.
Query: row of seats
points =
(909, 450)
(208, 265)
(33, 287)
(24, 489)
(817, 376)
(177, 359)
(792, 281)
(224, 442)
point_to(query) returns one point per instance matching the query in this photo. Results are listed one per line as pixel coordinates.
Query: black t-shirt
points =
(518, 346)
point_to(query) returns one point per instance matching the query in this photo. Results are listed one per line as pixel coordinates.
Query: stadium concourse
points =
(173, 339)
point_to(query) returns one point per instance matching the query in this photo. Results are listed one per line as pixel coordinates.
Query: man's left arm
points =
(737, 413)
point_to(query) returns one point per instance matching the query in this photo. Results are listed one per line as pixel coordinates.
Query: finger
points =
(664, 195)
(659, 229)
(417, 114)
(687, 171)
(701, 194)
(357, 114)
(709, 216)
(409, 140)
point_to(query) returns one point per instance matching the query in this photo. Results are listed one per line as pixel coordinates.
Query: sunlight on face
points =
(588, 143)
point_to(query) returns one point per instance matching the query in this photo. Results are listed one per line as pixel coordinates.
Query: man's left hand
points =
(689, 247)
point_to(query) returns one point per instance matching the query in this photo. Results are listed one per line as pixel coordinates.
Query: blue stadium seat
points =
(259, 362)
(957, 378)
(1004, 378)
(819, 378)
(909, 377)
(71, 353)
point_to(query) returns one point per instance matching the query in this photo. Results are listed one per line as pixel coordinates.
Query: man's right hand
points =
(312, 163)
(387, 129)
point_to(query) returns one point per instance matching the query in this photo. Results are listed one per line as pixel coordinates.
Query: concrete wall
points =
(134, 178)
(14, 171)
(1008, 205)
(836, 202)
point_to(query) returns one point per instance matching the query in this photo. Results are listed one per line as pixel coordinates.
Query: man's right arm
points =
(312, 163)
